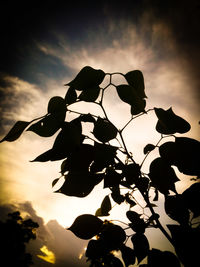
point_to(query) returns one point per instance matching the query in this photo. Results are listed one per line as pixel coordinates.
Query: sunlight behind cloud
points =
(48, 256)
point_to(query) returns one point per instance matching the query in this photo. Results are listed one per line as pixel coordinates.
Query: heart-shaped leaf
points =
(56, 105)
(170, 123)
(141, 246)
(105, 207)
(162, 175)
(86, 226)
(104, 130)
(183, 153)
(90, 95)
(135, 78)
(87, 78)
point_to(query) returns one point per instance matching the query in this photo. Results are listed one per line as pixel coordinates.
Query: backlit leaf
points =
(162, 175)
(87, 118)
(128, 255)
(138, 107)
(16, 131)
(90, 95)
(135, 78)
(105, 207)
(170, 123)
(86, 226)
(137, 224)
(141, 246)
(70, 96)
(113, 235)
(55, 181)
(56, 105)
(112, 178)
(157, 258)
(87, 78)
(176, 209)
(191, 197)
(183, 153)
(127, 93)
(79, 183)
(104, 130)
(148, 148)
(49, 125)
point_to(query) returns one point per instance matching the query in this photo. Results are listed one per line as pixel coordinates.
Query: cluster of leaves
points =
(88, 160)
(15, 233)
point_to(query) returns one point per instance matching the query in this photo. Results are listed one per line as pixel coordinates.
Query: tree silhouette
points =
(91, 158)
(15, 233)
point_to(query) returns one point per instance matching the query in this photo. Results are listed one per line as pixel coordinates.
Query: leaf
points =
(86, 226)
(128, 255)
(183, 153)
(191, 197)
(138, 107)
(70, 96)
(103, 156)
(104, 130)
(87, 78)
(16, 131)
(105, 207)
(90, 95)
(112, 178)
(96, 249)
(116, 196)
(162, 176)
(131, 173)
(56, 105)
(148, 148)
(55, 181)
(135, 78)
(68, 139)
(113, 235)
(157, 258)
(79, 159)
(46, 156)
(176, 209)
(79, 183)
(111, 260)
(87, 118)
(141, 246)
(169, 122)
(129, 201)
(49, 125)
(185, 240)
(137, 224)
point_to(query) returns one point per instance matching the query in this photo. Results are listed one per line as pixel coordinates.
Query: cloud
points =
(52, 239)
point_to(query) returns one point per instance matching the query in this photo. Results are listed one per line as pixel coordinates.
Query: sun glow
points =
(48, 256)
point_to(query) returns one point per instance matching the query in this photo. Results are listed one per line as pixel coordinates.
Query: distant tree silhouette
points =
(15, 232)
(89, 158)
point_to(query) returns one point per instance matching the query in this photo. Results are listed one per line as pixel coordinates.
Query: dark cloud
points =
(56, 238)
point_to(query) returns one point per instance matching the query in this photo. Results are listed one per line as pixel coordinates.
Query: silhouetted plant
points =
(91, 158)
(15, 232)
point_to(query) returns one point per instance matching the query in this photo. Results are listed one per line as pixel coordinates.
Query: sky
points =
(42, 48)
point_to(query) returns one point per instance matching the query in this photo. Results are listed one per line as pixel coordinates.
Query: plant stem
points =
(159, 225)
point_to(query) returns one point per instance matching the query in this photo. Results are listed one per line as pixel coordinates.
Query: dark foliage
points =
(15, 234)
(89, 160)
